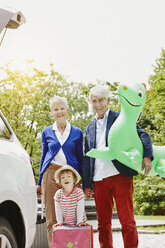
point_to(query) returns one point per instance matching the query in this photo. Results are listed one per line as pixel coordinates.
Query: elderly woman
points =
(62, 144)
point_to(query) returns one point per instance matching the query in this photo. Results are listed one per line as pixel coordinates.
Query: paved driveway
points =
(145, 240)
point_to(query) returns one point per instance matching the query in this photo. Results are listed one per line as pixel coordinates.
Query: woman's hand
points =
(39, 189)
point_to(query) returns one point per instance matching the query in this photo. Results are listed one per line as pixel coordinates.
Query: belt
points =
(54, 166)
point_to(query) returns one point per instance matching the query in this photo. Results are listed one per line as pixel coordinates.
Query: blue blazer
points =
(90, 142)
(72, 148)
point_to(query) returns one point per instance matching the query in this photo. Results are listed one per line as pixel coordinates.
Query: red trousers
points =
(121, 189)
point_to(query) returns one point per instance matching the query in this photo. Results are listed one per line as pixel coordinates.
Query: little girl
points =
(69, 200)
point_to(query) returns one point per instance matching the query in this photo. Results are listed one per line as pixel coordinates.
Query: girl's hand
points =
(82, 224)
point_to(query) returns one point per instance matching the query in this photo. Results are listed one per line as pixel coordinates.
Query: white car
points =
(18, 200)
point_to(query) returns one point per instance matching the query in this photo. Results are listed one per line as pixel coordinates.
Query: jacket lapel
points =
(92, 132)
(110, 121)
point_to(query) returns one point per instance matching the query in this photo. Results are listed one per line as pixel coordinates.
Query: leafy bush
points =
(149, 195)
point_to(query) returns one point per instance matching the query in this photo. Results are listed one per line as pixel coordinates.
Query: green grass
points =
(151, 228)
(149, 217)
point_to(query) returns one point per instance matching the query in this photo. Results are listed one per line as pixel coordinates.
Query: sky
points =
(88, 40)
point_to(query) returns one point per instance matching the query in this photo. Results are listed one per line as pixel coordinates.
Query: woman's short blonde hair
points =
(99, 91)
(58, 99)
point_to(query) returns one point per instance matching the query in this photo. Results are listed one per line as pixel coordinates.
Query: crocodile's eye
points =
(140, 93)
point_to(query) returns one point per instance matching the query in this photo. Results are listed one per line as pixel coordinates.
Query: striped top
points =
(71, 206)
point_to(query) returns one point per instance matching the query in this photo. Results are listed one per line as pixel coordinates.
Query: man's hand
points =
(88, 193)
(146, 165)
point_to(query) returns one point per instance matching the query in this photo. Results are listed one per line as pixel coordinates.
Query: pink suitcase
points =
(72, 237)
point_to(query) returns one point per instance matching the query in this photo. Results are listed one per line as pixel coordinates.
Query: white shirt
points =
(103, 168)
(60, 158)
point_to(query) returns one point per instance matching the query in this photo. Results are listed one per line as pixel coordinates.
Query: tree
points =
(154, 111)
(25, 103)
(149, 191)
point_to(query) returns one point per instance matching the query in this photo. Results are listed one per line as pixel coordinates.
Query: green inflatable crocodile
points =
(124, 143)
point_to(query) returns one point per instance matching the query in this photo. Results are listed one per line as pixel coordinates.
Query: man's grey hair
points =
(99, 91)
(58, 99)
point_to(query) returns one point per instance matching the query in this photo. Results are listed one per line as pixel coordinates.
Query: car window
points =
(4, 131)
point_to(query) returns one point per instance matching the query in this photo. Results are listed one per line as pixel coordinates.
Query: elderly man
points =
(110, 179)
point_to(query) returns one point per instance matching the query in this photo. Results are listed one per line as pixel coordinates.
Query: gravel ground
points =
(145, 240)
